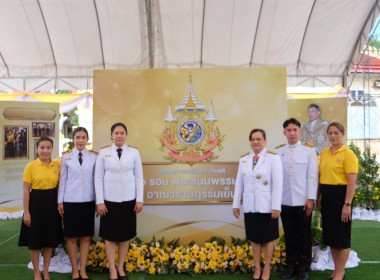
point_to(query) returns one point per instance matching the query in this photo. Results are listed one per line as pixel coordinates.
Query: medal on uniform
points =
(255, 160)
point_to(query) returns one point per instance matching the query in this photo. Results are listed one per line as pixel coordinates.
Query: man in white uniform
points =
(300, 170)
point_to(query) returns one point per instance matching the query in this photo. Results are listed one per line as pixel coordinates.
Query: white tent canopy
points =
(56, 44)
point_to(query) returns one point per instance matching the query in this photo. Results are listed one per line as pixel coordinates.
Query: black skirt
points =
(336, 233)
(260, 227)
(46, 223)
(119, 224)
(78, 219)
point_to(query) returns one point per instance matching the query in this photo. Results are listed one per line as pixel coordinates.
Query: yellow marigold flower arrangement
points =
(214, 256)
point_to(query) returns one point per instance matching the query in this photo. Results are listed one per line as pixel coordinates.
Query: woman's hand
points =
(346, 213)
(275, 214)
(101, 209)
(60, 209)
(138, 207)
(309, 207)
(27, 219)
(236, 212)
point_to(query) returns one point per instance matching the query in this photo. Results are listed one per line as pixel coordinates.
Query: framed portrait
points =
(35, 149)
(41, 129)
(15, 142)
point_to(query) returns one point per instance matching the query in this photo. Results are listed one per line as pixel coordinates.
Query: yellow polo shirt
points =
(41, 177)
(334, 168)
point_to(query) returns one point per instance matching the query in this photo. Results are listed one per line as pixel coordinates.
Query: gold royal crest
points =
(190, 133)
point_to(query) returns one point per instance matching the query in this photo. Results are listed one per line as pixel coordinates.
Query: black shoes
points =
(81, 278)
(119, 277)
(292, 271)
(303, 275)
(344, 277)
(289, 272)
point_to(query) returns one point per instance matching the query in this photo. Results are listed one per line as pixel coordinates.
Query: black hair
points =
(118, 124)
(78, 129)
(44, 138)
(293, 121)
(257, 130)
(314, 106)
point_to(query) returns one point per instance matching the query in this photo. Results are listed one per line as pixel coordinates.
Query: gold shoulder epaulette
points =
(92, 151)
(105, 147)
(308, 144)
(272, 152)
(66, 152)
(244, 155)
(132, 147)
(279, 146)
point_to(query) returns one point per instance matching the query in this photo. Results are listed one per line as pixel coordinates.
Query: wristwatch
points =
(347, 204)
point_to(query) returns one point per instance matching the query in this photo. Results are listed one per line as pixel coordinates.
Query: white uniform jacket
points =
(300, 167)
(117, 179)
(261, 187)
(76, 182)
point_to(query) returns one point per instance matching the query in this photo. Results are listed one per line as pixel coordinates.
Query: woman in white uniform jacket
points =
(119, 191)
(259, 183)
(76, 200)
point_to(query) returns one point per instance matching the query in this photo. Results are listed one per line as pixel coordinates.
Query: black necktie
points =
(80, 158)
(119, 152)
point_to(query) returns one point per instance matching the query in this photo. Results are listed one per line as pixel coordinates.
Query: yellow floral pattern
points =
(210, 257)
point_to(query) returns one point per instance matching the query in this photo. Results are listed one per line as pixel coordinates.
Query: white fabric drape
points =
(50, 44)
(68, 105)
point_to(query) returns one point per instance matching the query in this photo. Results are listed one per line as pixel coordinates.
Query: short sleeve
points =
(351, 162)
(27, 176)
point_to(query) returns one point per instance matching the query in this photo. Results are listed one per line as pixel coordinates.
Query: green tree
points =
(368, 166)
(367, 191)
(74, 116)
(374, 43)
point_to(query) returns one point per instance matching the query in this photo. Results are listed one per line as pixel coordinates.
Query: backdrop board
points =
(191, 126)
(16, 122)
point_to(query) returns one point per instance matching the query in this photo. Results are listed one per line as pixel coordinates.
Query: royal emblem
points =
(190, 133)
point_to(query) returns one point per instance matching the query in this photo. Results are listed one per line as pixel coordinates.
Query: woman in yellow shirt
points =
(42, 225)
(337, 180)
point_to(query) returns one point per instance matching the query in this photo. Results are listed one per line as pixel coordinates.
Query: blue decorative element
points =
(191, 132)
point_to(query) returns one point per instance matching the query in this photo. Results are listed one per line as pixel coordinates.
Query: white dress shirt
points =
(76, 182)
(119, 180)
(260, 187)
(300, 167)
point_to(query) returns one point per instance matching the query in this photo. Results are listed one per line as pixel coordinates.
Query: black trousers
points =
(297, 229)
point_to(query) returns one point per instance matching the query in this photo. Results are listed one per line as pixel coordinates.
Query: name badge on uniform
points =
(107, 155)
